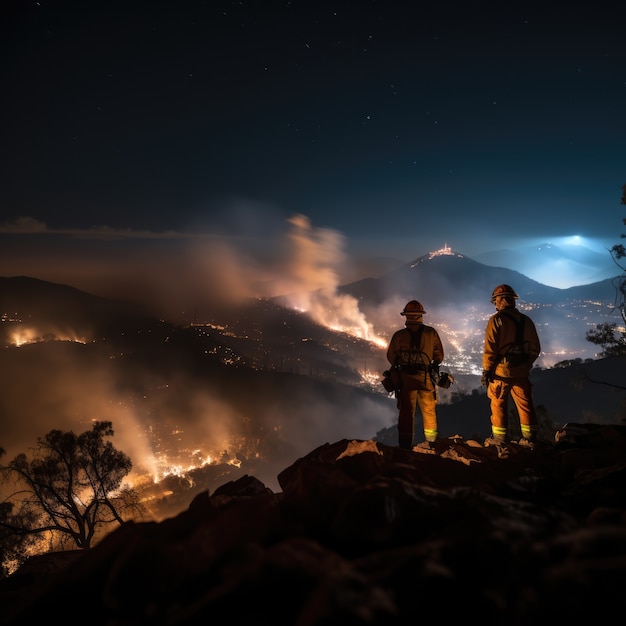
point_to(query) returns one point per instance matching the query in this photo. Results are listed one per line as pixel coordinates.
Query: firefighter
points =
(511, 348)
(416, 351)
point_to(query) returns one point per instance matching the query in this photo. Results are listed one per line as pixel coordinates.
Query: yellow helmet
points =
(413, 307)
(503, 290)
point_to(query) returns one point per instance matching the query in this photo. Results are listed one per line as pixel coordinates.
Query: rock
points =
(364, 533)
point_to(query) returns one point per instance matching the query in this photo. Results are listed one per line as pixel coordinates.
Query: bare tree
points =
(618, 252)
(13, 548)
(70, 487)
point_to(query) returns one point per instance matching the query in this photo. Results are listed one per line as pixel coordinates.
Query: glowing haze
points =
(197, 272)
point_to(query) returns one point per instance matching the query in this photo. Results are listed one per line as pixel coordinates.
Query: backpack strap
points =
(416, 338)
(515, 352)
(519, 326)
(520, 329)
(413, 367)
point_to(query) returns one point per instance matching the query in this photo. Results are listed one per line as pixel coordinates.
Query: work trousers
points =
(520, 390)
(407, 402)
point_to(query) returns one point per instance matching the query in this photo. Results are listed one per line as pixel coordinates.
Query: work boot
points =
(425, 446)
(499, 445)
(494, 441)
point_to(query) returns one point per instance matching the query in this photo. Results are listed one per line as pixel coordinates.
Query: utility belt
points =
(414, 369)
(515, 359)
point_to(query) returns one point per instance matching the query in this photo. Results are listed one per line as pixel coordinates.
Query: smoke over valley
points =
(233, 360)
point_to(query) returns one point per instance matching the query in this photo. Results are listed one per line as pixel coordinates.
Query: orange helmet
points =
(503, 290)
(413, 307)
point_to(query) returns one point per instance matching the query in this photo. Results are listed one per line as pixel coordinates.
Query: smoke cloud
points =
(176, 423)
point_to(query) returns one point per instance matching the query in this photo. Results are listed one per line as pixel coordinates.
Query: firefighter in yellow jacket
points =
(415, 350)
(511, 348)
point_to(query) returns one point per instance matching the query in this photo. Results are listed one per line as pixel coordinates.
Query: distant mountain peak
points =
(445, 251)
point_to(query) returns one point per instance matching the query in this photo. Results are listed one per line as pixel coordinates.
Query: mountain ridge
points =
(558, 265)
(469, 278)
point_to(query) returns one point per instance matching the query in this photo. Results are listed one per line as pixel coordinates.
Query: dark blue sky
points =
(397, 126)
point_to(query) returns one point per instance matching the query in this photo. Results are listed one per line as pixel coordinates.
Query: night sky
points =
(167, 138)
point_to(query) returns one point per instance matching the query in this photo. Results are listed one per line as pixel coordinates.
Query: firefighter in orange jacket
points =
(511, 347)
(414, 351)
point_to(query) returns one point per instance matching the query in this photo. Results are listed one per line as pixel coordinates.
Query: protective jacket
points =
(412, 349)
(511, 344)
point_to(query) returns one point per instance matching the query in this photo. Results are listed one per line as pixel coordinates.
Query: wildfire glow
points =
(361, 333)
(23, 335)
(156, 466)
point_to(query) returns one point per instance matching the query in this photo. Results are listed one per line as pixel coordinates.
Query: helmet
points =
(413, 307)
(503, 290)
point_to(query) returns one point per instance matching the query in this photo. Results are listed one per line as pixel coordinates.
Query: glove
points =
(485, 379)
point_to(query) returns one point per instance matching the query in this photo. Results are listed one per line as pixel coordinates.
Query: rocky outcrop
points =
(365, 533)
